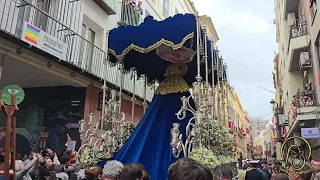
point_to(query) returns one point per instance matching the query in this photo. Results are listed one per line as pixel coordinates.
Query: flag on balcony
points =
(153, 45)
(273, 133)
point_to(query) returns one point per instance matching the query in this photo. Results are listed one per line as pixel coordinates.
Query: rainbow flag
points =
(32, 34)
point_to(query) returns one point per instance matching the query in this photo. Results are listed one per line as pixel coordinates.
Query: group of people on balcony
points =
(304, 98)
(137, 7)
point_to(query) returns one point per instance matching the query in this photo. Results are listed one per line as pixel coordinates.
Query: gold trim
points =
(172, 84)
(152, 47)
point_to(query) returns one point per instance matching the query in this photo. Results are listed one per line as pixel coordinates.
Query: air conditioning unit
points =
(305, 60)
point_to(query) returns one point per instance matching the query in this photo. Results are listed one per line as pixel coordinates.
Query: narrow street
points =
(159, 89)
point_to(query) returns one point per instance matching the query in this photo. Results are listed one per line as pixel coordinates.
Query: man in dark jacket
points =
(253, 172)
(265, 169)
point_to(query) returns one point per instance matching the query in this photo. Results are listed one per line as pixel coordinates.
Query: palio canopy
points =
(152, 46)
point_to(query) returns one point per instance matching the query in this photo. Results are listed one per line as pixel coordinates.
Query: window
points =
(313, 9)
(86, 47)
(90, 48)
(82, 44)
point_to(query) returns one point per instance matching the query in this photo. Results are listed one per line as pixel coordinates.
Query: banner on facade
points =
(44, 41)
(310, 133)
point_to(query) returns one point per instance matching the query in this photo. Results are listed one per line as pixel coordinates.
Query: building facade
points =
(257, 126)
(55, 49)
(239, 124)
(296, 71)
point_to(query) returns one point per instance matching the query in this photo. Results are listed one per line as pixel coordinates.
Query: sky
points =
(248, 45)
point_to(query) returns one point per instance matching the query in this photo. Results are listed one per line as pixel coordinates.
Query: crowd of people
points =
(47, 165)
(278, 170)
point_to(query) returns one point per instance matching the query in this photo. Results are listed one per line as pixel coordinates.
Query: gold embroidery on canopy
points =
(152, 47)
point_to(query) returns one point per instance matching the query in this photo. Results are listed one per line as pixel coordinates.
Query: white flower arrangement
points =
(210, 159)
(92, 156)
(128, 129)
(217, 147)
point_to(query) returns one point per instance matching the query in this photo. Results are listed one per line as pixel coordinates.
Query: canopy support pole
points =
(206, 54)
(144, 104)
(133, 99)
(213, 87)
(198, 77)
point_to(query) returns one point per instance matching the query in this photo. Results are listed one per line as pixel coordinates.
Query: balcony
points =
(64, 46)
(130, 15)
(290, 6)
(298, 42)
(109, 6)
(304, 110)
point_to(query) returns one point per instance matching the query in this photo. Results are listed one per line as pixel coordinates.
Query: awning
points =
(152, 46)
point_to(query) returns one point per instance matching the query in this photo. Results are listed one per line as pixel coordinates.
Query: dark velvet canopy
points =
(152, 46)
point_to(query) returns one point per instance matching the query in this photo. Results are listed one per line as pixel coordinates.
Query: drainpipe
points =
(2, 56)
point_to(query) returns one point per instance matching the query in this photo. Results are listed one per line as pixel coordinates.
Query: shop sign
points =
(310, 133)
(11, 90)
(44, 41)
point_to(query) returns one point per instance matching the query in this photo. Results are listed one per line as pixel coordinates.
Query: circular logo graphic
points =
(293, 155)
(310, 131)
(11, 90)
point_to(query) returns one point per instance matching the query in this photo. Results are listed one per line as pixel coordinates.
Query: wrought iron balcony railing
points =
(130, 14)
(300, 29)
(304, 98)
(80, 53)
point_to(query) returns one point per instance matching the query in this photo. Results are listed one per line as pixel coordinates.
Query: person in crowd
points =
(132, 3)
(93, 173)
(253, 172)
(132, 171)
(265, 169)
(139, 9)
(227, 174)
(146, 175)
(49, 153)
(112, 170)
(19, 156)
(189, 169)
(72, 158)
(50, 166)
(29, 158)
(98, 171)
(304, 174)
(281, 176)
(24, 172)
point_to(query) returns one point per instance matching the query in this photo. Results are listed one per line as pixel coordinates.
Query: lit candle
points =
(90, 118)
(81, 125)
(174, 136)
(115, 107)
(211, 101)
(114, 95)
(195, 88)
(198, 117)
(175, 132)
(121, 129)
(109, 138)
(91, 140)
